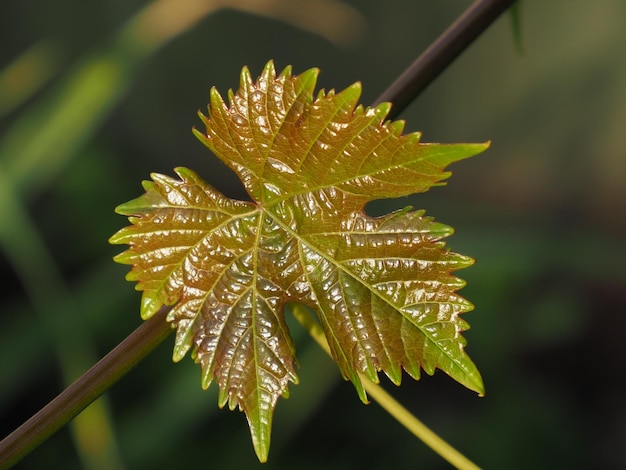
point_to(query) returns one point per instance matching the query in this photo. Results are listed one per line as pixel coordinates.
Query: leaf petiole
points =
(395, 409)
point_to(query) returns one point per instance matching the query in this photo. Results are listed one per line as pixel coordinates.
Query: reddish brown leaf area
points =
(382, 287)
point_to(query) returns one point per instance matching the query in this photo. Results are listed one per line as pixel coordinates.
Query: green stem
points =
(395, 409)
(417, 428)
(85, 389)
(441, 53)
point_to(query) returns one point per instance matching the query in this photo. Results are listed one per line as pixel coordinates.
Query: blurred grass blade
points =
(27, 74)
(47, 135)
(43, 140)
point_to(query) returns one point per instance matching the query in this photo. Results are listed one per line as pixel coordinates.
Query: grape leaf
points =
(382, 287)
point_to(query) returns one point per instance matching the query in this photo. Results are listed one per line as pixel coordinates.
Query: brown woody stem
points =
(441, 53)
(85, 389)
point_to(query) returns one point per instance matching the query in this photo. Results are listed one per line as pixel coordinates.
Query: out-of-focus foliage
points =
(381, 286)
(542, 213)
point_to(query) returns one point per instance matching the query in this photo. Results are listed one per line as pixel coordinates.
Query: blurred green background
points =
(96, 95)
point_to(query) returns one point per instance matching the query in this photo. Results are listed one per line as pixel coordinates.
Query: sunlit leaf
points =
(382, 287)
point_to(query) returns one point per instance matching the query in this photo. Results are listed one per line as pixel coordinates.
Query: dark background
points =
(99, 103)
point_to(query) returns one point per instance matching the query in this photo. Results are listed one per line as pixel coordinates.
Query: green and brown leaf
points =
(382, 287)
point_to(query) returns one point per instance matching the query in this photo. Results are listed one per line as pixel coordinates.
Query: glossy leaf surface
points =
(382, 287)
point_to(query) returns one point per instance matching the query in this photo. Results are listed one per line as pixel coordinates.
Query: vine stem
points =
(89, 386)
(395, 409)
(441, 53)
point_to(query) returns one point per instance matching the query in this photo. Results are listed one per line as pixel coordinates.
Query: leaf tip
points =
(117, 239)
(382, 111)
(260, 425)
(201, 136)
(245, 79)
(261, 449)
(308, 77)
(149, 305)
(353, 93)
(479, 386)
(216, 103)
(475, 149)
(269, 71)
(127, 208)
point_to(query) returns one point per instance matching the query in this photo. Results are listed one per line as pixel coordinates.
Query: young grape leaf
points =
(382, 287)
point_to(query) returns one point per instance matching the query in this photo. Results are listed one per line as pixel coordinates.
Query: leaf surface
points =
(382, 287)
